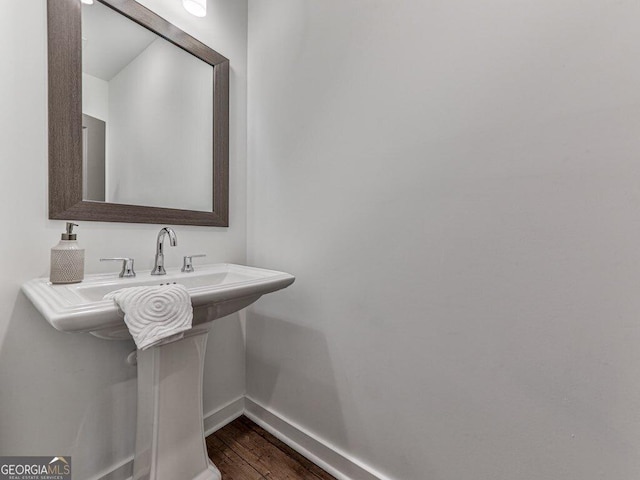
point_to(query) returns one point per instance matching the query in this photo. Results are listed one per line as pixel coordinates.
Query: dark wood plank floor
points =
(244, 451)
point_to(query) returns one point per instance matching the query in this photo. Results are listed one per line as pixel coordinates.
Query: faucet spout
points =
(158, 267)
(173, 239)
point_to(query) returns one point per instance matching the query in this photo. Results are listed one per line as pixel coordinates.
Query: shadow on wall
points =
(224, 365)
(290, 369)
(65, 394)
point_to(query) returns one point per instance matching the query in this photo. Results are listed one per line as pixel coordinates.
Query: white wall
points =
(95, 97)
(160, 151)
(456, 186)
(74, 395)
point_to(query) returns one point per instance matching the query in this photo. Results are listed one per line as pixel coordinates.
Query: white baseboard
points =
(327, 456)
(120, 471)
(218, 418)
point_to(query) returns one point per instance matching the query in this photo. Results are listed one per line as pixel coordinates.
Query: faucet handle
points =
(127, 266)
(187, 262)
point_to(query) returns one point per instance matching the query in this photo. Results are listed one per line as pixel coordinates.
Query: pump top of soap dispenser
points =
(69, 235)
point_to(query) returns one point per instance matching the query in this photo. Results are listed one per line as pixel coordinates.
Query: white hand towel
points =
(153, 314)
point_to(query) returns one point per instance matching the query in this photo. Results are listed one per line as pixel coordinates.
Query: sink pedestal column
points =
(170, 441)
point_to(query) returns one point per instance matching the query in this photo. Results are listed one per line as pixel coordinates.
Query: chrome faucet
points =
(158, 267)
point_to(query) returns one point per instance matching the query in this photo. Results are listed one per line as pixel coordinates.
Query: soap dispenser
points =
(67, 259)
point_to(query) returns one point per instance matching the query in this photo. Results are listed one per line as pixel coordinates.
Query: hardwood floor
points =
(244, 451)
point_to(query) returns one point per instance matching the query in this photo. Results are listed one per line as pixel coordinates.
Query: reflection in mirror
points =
(93, 156)
(147, 116)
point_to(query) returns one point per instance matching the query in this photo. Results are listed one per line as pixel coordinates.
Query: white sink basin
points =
(216, 290)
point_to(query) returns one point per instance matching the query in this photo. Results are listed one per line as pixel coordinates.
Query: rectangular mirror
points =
(138, 117)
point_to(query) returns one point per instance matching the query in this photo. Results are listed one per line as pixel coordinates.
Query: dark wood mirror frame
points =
(64, 19)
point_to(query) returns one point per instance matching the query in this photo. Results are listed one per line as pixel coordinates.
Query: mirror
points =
(153, 104)
(138, 117)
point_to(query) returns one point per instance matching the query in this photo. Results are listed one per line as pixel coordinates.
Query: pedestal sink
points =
(170, 430)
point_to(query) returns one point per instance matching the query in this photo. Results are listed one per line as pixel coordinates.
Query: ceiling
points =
(110, 41)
